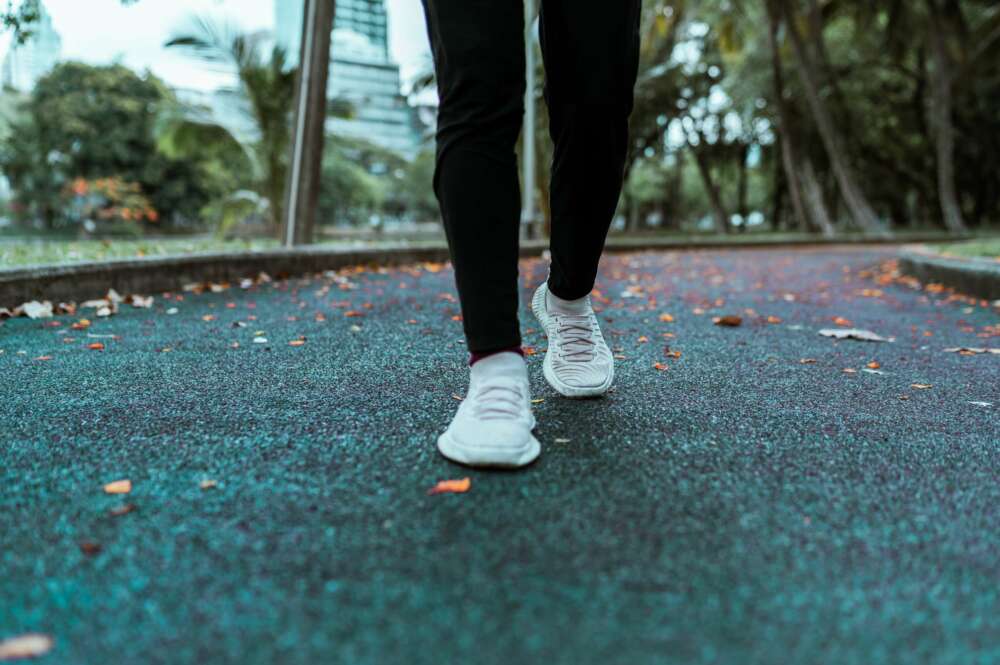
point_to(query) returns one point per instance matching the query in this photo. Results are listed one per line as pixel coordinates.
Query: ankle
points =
(476, 356)
(558, 305)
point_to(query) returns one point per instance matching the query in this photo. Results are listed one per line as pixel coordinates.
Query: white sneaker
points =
(578, 362)
(493, 425)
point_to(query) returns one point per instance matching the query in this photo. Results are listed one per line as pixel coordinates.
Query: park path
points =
(748, 494)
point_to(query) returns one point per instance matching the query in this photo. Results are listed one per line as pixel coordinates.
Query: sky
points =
(103, 31)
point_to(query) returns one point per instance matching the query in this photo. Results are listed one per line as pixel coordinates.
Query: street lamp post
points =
(309, 126)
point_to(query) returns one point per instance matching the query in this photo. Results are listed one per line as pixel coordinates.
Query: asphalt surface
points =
(737, 506)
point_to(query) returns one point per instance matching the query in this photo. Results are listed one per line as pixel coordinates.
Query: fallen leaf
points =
(874, 365)
(96, 346)
(972, 351)
(37, 310)
(856, 334)
(29, 645)
(808, 361)
(118, 487)
(921, 386)
(208, 484)
(729, 321)
(297, 342)
(848, 370)
(774, 319)
(841, 321)
(659, 366)
(451, 486)
(89, 547)
(208, 317)
(123, 509)
(666, 318)
(643, 340)
(44, 358)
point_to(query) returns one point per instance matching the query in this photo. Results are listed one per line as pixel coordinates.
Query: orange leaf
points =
(297, 342)
(874, 364)
(666, 318)
(451, 486)
(96, 346)
(841, 321)
(118, 487)
(729, 321)
(208, 317)
(44, 358)
(659, 366)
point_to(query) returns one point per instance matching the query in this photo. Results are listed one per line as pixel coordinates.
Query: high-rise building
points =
(25, 63)
(361, 73)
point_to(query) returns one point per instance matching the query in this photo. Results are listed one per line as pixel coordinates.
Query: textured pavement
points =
(737, 506)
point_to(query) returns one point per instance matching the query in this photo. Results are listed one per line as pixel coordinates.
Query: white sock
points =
(557, 305)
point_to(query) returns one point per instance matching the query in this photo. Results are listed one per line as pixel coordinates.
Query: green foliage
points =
(707, 88)
(89, 122)
(267, 84)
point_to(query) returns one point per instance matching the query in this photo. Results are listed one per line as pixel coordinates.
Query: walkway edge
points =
(154, 275)
(974, 277)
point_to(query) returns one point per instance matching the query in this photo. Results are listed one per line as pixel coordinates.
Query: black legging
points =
(591, 50)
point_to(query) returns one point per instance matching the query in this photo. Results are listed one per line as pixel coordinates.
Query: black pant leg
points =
(591, 54)
(478, 48)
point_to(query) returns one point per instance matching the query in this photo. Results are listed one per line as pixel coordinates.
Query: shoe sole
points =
(575, 392)
(489, 458)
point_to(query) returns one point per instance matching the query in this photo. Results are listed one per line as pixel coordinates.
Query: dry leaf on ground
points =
(856, 334)
(30, 645)
(728, 321)
(451, 486)
(118, 487)
(37, 310)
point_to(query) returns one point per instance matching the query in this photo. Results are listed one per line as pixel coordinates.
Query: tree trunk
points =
(860, 209)
(814, 199)
(714, 197)
(785, 131)
(943, 126)
(743, 207)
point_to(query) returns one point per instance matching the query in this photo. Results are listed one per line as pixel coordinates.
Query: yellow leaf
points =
(118, 487)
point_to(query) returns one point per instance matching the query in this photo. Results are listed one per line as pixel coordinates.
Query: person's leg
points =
(478, 48)
(591, 54)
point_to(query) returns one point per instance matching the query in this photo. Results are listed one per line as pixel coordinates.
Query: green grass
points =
(34, 251)
(986, 248)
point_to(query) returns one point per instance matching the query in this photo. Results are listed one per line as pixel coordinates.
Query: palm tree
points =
(267, 83)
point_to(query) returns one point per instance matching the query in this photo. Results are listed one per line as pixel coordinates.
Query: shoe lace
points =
(576, 337)
(498, 400)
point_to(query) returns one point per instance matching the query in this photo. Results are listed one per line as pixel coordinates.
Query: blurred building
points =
(25, 63)
(362, 74)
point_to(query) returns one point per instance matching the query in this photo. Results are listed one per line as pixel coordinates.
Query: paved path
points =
(738, 506)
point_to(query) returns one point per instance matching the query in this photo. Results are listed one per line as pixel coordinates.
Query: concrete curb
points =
(974, 277)
(154, 275)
